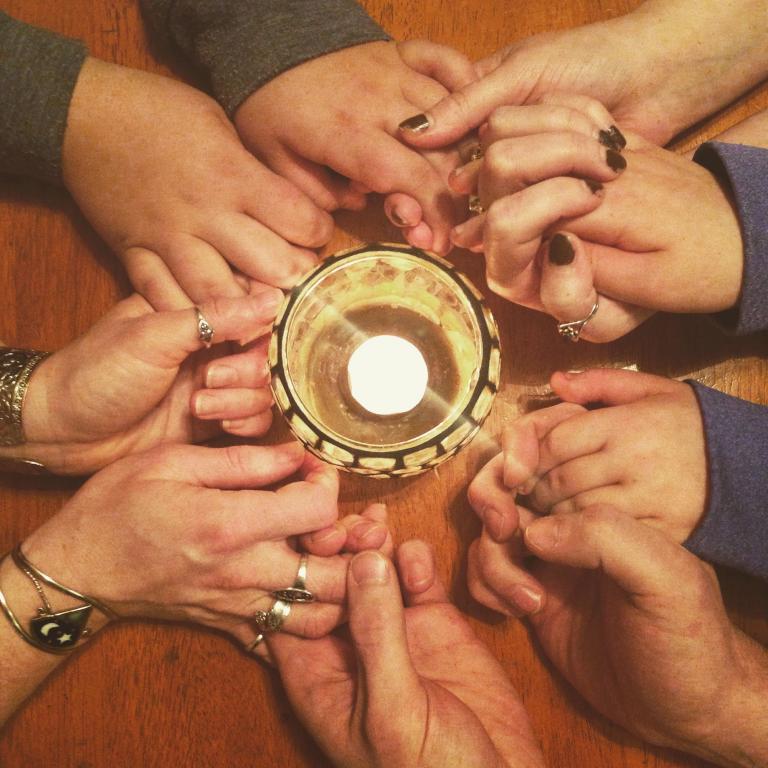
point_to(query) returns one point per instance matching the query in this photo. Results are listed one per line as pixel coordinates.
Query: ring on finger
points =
(273, 619)
(298, 593)
(572, 330)
(204, 329)
(474, 205)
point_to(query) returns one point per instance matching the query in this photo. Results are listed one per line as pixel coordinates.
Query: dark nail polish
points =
(415, 124)
(397, 219)
(594, 186)
(615, 161)
(560, 250)
(618, 137)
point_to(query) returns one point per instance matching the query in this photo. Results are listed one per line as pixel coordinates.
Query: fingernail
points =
(369, 568)
(366, 530)
(205, 405)
(397, 218)
(271, 300)
(616, 162)
(494, 521)
(543, 534)
(526, 599)
(419, 575)
(594, 186)
(612, 138)
(415, 124)
(228, 425)
(572, 373)
(325, 534)
(560, 250)
(220, 376)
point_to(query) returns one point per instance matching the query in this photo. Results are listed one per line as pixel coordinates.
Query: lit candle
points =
(387, 375)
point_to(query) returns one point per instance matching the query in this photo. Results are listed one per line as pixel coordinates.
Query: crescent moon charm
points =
(61, 630)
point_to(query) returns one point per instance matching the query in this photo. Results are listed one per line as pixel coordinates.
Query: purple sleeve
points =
(745, 170)
(734, 529)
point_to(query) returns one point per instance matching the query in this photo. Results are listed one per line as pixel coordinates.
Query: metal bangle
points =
(16, 366)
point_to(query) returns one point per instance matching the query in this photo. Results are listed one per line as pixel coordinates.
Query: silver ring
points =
(204, 329)
(272, 620)
(298, 593)
(476, 153)
(474, 205)
(572, 330)
(257, 642)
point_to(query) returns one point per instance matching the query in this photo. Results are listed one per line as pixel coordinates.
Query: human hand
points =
(462, 709)
(180, 533)
(647, 67)
(329, 126)
(553, 244)
(159, 171)
(637, 625)
(134, 381)
(644, 443)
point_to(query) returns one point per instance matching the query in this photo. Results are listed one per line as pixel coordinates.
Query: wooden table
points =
(154, 695)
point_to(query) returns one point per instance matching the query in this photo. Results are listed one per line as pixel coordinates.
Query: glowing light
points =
(387, 375)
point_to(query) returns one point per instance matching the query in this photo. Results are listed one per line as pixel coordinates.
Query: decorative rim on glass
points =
(415, 455)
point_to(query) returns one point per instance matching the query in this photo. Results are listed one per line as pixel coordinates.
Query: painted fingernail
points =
(415, 124)
(594, 186)
(526, 599)
(616, 162)
(612, 138)
(560, 250)
(369, 568)
(397, 218)
(220, 376)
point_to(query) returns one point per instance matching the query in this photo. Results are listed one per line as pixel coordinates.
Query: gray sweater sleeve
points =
(38, 72)
(242, 44)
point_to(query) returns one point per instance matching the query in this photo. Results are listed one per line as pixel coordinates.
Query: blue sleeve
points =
(745, 170)
(734, 529)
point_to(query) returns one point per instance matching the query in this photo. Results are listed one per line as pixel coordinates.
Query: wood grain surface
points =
(148, 695)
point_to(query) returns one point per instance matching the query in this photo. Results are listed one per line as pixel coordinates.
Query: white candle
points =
(387, 375)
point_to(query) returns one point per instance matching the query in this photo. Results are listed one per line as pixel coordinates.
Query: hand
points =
(637, 625)
(336, 115)
(462, 709)
(645, 443)
(647, 67)
(169, 534)
(160, 173)
(556, 245)
(133, 381)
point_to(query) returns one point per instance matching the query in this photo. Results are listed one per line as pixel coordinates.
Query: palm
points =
(463, 694)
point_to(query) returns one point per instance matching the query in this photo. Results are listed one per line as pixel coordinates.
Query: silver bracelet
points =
(16, 366)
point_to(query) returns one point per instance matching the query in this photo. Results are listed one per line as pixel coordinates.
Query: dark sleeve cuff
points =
(734, 529)
(242, 44)
(38, 72)
(745, 170)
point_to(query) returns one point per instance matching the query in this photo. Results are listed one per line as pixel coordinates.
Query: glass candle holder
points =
(385, 360)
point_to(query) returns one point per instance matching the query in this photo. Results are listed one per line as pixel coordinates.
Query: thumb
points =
(165, 339)
(639, 559)
(456, 114)
(451, 68)
(377, 627)
(609, 386)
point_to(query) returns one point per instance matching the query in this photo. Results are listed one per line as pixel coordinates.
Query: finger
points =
(498, 579)
(166, 339)
(568, 293)
(230, 404)
(511, 164)
(150, 276)
(260, 253)
(250, 426)
(418, 575)
(457, 113)
(200, 268)
(583, 434)
(610, 386)
(249, 368)
(515, 224)
(402, 210)
(609, 133)
(464, 179)
(421, 236)
(641, 560)
(584, 473)
(452, 69)
(521, 443)
(511, 121)
(353, 533)
(493, 501)
(377, 626)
